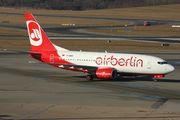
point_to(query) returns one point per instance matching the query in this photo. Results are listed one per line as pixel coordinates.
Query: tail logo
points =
(34, 32)
(35, 35)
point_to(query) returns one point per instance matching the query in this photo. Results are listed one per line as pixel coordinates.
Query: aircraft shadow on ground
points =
(129, 79)
(4, 117)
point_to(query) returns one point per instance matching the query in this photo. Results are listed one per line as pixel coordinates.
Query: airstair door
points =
(52, 58)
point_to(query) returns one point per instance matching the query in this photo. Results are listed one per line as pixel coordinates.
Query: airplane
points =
(101, 65)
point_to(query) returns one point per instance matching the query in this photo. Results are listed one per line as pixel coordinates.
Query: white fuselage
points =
(123, 63)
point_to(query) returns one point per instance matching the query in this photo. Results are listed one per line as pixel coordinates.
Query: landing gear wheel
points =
(155, 80)
(89, 77)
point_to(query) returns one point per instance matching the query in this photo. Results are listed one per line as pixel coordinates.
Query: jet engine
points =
(106, 73)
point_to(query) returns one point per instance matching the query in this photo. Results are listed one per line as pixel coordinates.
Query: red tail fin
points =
(38, 39)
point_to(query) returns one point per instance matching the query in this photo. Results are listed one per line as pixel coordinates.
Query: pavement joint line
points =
(20, 116)
(159, 103)
(156, 105)
(40, 111)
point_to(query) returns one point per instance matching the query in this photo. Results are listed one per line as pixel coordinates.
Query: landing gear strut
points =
(89, 77)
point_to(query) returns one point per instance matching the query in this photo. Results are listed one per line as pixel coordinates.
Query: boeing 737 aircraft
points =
(100, 65)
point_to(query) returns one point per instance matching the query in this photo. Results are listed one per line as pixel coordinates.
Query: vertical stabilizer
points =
(38, 39)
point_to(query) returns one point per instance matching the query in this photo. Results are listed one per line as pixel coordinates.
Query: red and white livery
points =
(100, 65)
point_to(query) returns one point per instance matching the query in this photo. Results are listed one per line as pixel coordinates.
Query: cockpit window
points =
(161, 63)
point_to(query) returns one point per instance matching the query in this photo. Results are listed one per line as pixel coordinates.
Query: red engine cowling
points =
(106, 73)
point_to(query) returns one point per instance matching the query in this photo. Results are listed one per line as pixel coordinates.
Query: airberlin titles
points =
(114, 61)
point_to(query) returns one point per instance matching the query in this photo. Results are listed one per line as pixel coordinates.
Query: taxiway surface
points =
(31, 90)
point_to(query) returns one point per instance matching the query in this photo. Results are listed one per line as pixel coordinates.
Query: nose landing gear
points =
(154, 79)
(157, 76)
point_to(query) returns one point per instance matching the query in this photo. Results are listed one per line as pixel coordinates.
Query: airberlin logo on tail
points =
(34, 32)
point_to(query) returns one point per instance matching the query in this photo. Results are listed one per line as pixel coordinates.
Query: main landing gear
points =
(90, 77)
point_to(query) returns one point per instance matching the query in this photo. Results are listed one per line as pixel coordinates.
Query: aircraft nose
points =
(171, 68)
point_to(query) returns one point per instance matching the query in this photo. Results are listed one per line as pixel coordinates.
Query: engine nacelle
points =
(106, 73)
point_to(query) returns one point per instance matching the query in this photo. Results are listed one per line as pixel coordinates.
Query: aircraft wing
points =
(78, 67)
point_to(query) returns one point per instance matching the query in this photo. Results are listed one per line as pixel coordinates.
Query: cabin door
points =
(149, 62)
